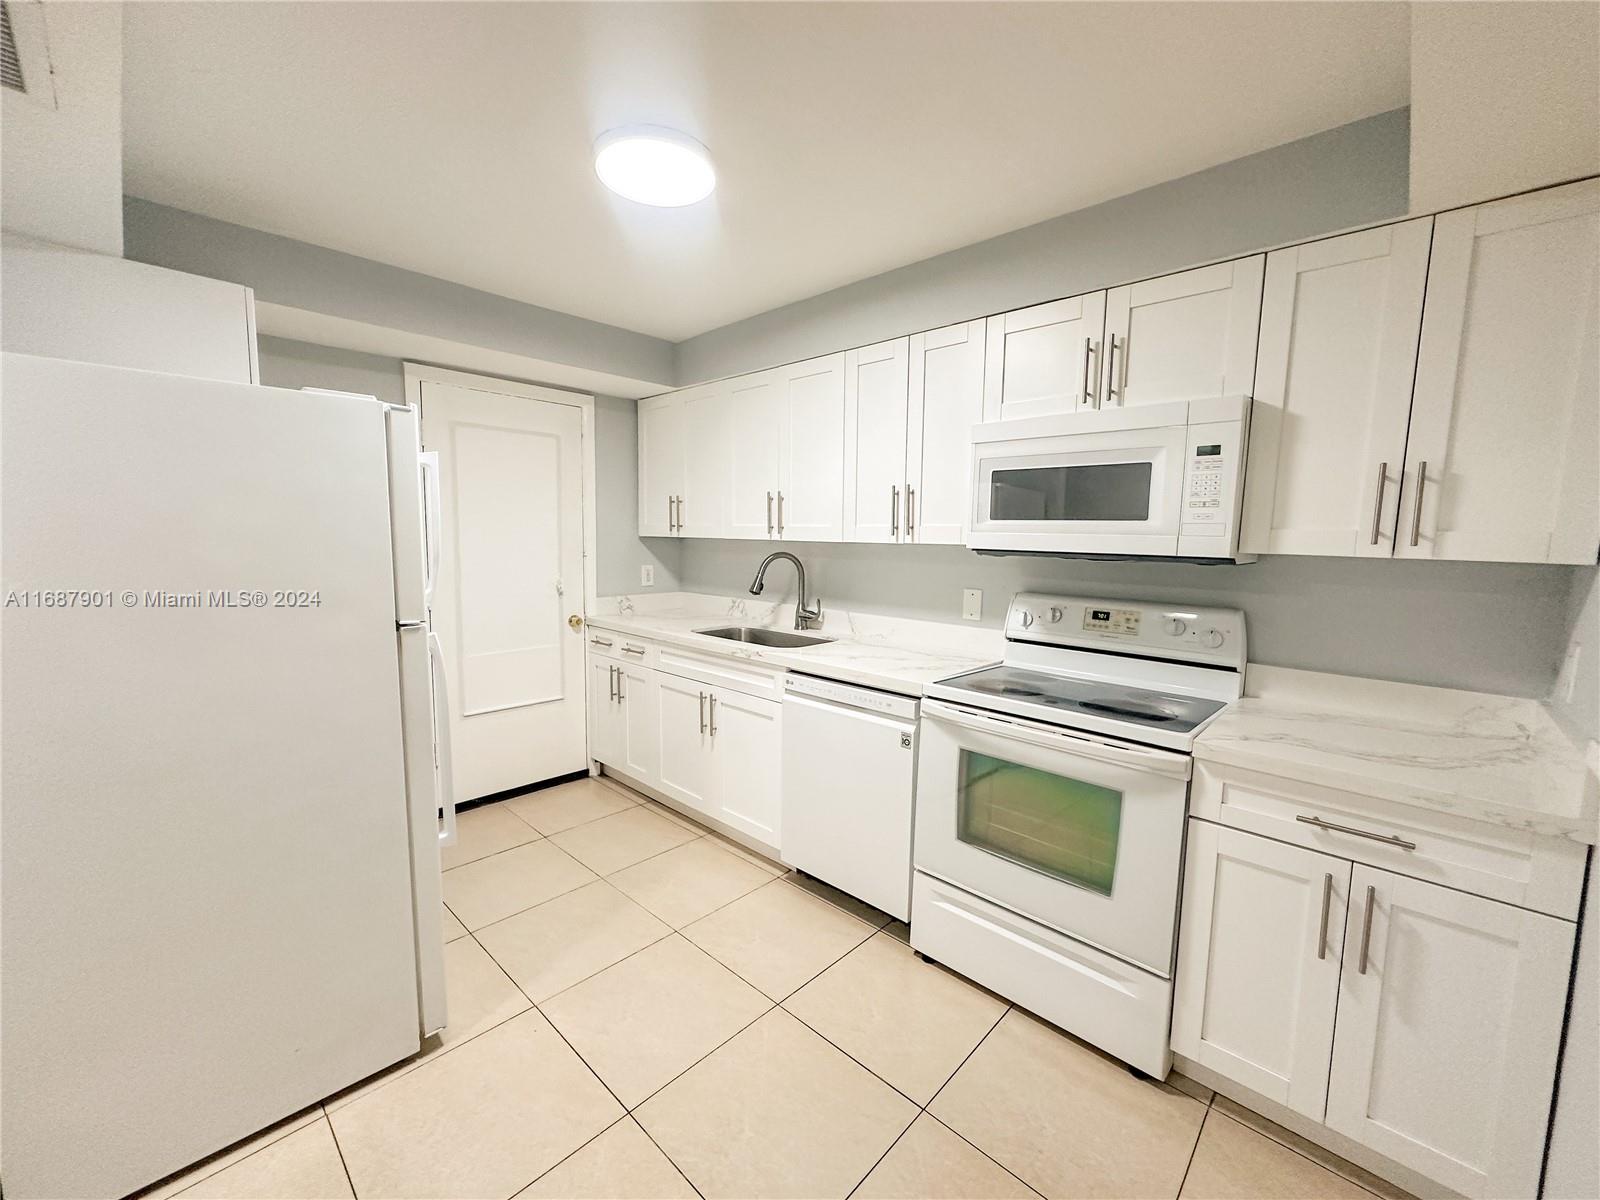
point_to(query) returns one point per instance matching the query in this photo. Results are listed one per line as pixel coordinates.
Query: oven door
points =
(1115, 491)
(1078, 833)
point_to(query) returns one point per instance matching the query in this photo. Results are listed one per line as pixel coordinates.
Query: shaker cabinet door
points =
(684, 741)
(661, 445)
(1503, 463)
(1045, 359)
(811, 474)
(946, 386)
(755, 431)
(1339, 326)
(747, 749)
(875, 390)
(708, 463)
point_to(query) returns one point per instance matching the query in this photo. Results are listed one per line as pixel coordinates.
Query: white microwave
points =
(1153, 481)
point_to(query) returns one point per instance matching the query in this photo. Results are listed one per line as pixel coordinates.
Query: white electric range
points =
(1052, 794)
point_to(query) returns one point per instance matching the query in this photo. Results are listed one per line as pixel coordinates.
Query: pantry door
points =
(508, 600)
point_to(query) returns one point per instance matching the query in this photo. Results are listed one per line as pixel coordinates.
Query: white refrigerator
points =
(220, 794)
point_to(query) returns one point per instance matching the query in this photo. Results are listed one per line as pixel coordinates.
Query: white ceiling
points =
(455, 138)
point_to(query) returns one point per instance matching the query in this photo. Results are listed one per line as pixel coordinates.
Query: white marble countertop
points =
(1498, 759)
(895, 654)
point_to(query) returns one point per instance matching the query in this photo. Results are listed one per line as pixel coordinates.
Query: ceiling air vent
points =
(10, 63)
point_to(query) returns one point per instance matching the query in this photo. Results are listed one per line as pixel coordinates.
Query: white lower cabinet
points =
(746, 762)
(623, 716)
(686, 768)
(1422, 1021)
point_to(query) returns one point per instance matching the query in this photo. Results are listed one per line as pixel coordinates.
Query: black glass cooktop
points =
(1117, 702)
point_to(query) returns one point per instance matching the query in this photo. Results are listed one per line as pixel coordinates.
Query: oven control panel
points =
(1183, 633)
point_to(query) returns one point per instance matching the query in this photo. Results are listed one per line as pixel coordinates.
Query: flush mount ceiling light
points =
(653, 165)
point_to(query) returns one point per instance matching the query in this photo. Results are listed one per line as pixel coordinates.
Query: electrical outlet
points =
(972, 604)
(647, 575)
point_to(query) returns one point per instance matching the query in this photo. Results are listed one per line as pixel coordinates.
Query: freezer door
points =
(207, 866)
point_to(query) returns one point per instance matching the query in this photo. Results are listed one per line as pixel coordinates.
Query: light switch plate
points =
(972, 604)
(647, 575)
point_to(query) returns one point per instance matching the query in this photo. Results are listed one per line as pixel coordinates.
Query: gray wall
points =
(1581, 713)
(619, 552)
(1352, 175)
(300, 275)
(1495, 627)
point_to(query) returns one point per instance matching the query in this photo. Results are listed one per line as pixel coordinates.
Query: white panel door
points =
(1189, 336)
(708, 467)
(661, 454)
(755, 421)
(1450, 1017)
(875, 386)
(1044, 359)
(946, 388)
(747, 749)
(639, 722)
(605, 716)
(684, 740)
(811, 481)
(1339, 327)
(510, 577)
(1505, 430)
(1258, 963)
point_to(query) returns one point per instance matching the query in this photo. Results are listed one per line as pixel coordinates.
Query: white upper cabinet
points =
(1189, 336)
(661, 433)
(1044, 359)
(810, 481)
(706, 493)
(946, 401)
(755, 428)
(1504, 455)
(875, 407)
(1339, 326)
(1449, 1027)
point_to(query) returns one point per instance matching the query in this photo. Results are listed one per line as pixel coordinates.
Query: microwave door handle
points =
(1159, 761)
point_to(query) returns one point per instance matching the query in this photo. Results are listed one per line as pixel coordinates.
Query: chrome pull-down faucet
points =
(804, 614)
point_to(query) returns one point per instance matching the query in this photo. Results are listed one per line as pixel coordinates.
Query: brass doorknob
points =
(575, 621)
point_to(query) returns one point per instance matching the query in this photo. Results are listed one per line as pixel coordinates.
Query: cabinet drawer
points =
(1541, 873)
(753, 679)
(607, 644)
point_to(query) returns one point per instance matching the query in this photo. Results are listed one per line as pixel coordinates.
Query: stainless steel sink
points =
(763, 637)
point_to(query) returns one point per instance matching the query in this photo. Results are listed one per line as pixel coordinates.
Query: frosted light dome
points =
(652, 165)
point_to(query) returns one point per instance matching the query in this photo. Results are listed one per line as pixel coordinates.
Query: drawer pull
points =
(1322, 929)
(1388, 839)
(594, 641)
(627, 649)
(1366, 930)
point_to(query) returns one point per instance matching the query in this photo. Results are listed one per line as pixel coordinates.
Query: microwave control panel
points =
(1202, 500)
(1213, 468)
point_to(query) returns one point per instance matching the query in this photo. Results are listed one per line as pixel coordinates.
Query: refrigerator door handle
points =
(441, 743)
(429, 460)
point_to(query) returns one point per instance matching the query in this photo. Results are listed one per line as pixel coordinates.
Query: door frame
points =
(417, 374)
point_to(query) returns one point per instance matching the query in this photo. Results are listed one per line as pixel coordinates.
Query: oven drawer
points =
(1513, 865)
(1105, 1001)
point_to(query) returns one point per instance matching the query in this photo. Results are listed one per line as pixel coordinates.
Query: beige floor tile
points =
(621, 840)
(931, 1163)
(688, 881)
(621, 1164)
(493, 888)
(771, 866)
(778, 937)
(453, 928)
(1343, 1167)
(481, 832)
(303, 1166)
(240, 1150)
(826, 891)
(907, 1021)
(1235, 1163)
(1066, 1120)
(478, 996)
(553, 809)
(776, 1112)
(653, 1015)
(561, 942)
(484, 1120)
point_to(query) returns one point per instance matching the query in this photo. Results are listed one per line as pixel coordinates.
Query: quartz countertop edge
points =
(906, 670)
(1501, 760)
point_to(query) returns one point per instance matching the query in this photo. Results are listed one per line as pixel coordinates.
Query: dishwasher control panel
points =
(851, 695)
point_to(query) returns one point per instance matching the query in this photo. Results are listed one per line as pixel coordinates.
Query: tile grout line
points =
(338, 1149)
(1193, 1150)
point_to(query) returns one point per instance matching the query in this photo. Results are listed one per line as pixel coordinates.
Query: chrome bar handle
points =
(671, 520)
(1366, 930)
(1122, 382)
(1416, 508)
(769, 514)
(894, 512)
(611, 674)
(1377, 503)
(911, 493)
(621, 695)
(600, 641)
(1388, 839)
(1091, 350)
(627, 649)
(1322, 929)
(702, 714)
(780, 534)
(713, 698)
(1111, 369)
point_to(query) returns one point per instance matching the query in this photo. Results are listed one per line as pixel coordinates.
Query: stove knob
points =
(1055, 614)
(1213, 639)
(1027, 618)
(1177, 626)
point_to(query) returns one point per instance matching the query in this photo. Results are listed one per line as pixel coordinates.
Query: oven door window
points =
(1118, 491)
(1051, 823)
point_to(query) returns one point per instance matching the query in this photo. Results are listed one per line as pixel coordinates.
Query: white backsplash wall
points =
(1493, 627)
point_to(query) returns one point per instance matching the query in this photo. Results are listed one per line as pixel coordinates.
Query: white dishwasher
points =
(849, 778)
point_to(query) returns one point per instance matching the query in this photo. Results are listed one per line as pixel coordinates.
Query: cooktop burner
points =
(1057, 694)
